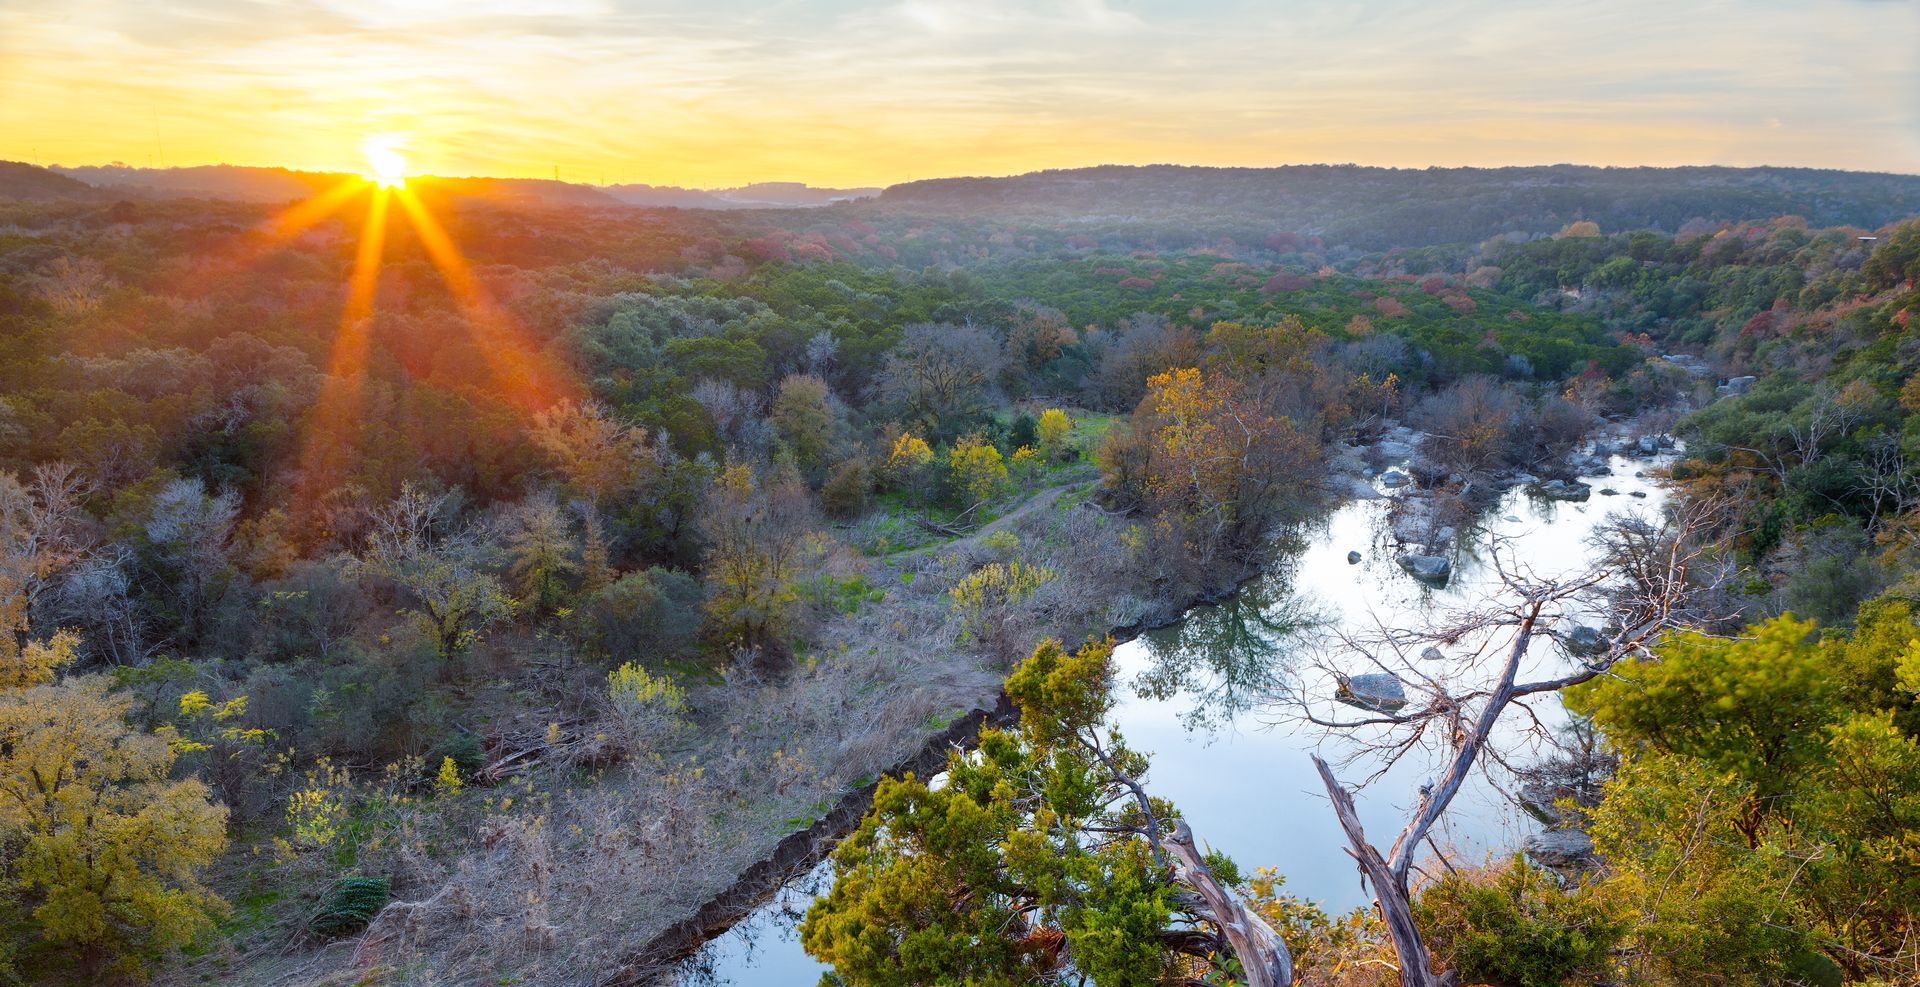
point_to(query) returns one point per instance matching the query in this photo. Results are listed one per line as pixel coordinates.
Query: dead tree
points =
(1449, 703)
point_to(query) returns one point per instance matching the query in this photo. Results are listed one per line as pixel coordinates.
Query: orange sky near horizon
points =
(723, 93)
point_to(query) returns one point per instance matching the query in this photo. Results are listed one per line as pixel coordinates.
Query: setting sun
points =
(385, 164)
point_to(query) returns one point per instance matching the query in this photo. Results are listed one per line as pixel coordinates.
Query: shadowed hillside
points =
(19, 180)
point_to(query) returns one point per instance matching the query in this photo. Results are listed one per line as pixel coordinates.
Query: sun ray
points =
(524, 375)
(329, 434)
(248, 248)
(296, 218)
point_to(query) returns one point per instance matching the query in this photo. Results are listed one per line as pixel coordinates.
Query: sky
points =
(714, 93)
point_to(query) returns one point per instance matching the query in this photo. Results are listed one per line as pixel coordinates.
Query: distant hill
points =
(1377, 208)
(1342, 205)
(761, 195)
(526, 192)
(206, 181)
(250, 184)
(19, 180)
(281, 185)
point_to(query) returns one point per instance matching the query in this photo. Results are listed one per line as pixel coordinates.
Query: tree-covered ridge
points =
(1728, 285)
(1382, 208)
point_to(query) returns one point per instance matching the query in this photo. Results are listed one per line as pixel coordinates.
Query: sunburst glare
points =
(385, 162)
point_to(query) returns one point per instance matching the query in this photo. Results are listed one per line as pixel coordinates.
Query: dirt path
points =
(1044, 500)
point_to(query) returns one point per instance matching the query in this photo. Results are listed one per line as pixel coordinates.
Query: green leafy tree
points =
(1754, 707)
(1040, 848)
(804, 415)
(1512, 924)
(1765, 821)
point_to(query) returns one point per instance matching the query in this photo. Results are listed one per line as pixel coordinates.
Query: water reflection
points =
(763, 948)
(1222, 661)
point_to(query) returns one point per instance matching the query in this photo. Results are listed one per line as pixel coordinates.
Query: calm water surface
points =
(1238, 772)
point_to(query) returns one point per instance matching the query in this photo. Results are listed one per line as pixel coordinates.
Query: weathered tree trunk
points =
(1390, 891)
(1264, 959)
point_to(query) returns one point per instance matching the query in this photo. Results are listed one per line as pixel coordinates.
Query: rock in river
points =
(1394, 479)
(1353, 558)
(1563, 490)
(1379, 692)
(1561, 849)
(1583, 640)
(1427, 568)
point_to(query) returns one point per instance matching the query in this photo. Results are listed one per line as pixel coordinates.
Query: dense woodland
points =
(373, 610)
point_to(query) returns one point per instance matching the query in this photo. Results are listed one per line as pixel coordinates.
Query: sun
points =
(385, 164)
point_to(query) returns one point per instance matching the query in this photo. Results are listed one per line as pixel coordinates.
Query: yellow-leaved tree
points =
(1055, 431)
(978, 469)
(107, 847)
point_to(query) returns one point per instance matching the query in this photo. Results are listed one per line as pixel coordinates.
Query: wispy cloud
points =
(723, 91)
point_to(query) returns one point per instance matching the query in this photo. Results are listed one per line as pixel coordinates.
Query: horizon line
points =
(295, 170)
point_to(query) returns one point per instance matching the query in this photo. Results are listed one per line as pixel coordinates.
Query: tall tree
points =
(601, 456)
(757, 532)
(1212, 465)
(939, 374)
(454, 596)
(41, 532)
(805, 415)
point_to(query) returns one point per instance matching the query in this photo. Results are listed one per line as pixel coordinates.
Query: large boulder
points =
(1378, 692)
(1735, 386)
(1394, 479)
(1435, 569)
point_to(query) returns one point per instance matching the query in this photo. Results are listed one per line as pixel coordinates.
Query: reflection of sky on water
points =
(1189, 696)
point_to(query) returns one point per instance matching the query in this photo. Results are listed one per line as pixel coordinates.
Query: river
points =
(1243, 780)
